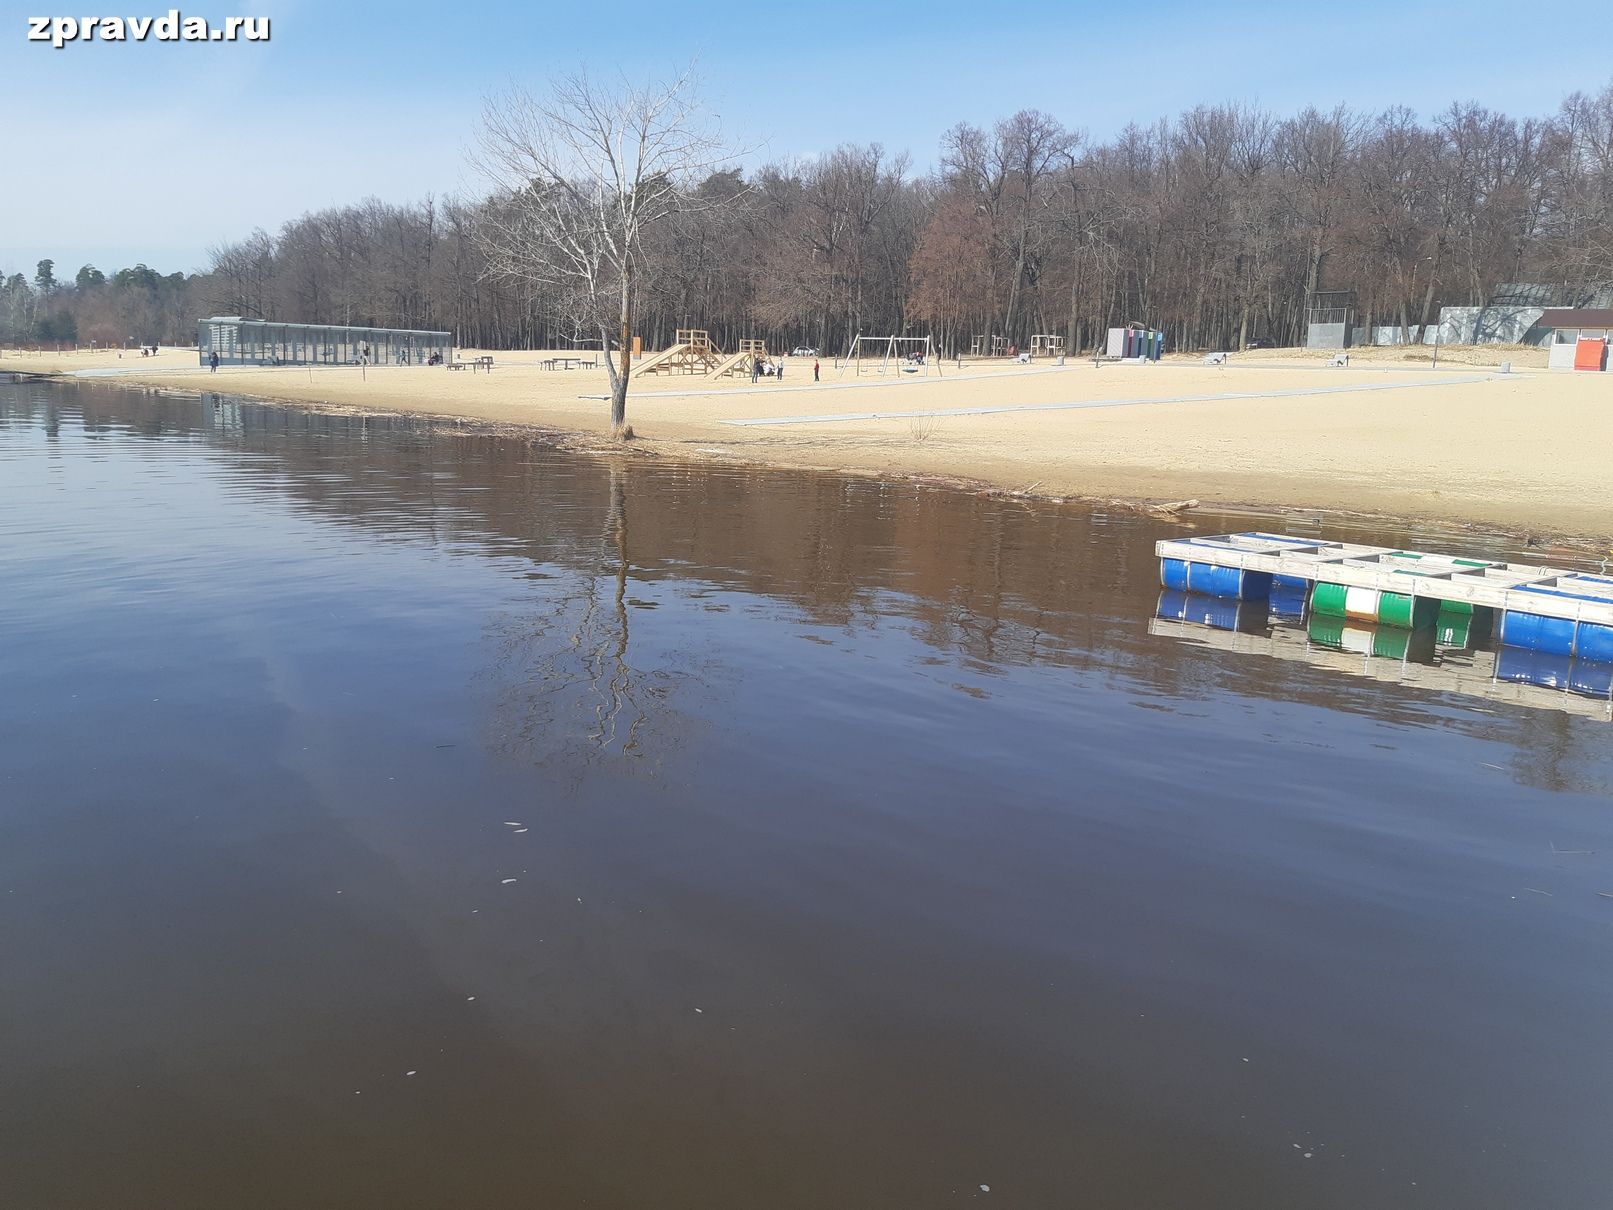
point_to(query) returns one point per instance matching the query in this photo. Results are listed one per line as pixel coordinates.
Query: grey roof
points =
(277, 323)
(1541, 294)
(1576, 317)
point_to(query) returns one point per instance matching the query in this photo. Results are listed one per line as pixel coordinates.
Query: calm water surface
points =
(407, 820)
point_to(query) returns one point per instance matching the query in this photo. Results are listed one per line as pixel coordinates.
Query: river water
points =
(408, 819)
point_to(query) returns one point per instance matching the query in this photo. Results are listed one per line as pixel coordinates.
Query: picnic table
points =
(484, 362)
(566, 363)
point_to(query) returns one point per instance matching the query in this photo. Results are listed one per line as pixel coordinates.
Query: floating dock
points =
(1544, 609)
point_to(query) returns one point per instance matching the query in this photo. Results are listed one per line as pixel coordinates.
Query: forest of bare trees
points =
(1214, 226)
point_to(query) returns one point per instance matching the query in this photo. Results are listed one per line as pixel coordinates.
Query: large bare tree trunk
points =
(618, 393)
(1011, 314)
(1428, 305)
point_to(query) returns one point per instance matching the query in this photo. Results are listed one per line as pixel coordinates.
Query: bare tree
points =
(241, 275)
(1581, 211)
(1213, 225)
(582, 175)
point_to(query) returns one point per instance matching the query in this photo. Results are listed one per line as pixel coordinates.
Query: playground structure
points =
(692, 351)
(988, 346)
(740, 363)
(1046, 344)
(892, 355)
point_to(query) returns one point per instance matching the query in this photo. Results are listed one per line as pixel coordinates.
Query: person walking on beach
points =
(213, 362)
(814, 369)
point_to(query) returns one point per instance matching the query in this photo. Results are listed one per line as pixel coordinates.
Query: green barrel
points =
(1463, 625)
(1328, 600)
(1454, 626)
(1324, 630)
(1406, 611)
(1416, 646)
(1369, 605)
(1390, 642)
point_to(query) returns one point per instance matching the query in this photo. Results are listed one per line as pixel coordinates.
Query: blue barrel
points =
(1537, 632)
(1560, 636)
(1184, 576)
(1228, 581)
(1288, 596)
(1592, 678)
(1219, 613)
(1594, 642)
(1521, 666)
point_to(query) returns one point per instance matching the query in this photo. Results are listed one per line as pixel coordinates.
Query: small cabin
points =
(1577, 337)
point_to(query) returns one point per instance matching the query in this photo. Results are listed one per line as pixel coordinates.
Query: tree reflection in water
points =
(569, 694)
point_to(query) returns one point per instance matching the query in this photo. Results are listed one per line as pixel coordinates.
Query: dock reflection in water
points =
(1455, 655)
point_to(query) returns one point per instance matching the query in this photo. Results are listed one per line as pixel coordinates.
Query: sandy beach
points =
(1524, 451)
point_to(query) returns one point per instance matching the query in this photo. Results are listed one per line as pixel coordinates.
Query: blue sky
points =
(117, 153)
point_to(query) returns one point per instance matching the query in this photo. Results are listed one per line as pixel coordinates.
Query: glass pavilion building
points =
(258, 342)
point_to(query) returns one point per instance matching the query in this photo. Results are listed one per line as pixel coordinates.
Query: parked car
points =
(803, 351)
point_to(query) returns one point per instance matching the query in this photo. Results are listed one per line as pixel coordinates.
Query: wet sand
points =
(1523, 452)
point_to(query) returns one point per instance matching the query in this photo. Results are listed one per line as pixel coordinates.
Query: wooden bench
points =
(1215, 359)
(457, 365)
(481, 363)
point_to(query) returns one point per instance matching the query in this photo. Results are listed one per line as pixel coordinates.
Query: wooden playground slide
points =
(649, 364)
(732, 365)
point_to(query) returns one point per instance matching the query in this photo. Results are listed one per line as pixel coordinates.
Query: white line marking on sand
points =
(837, 417)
